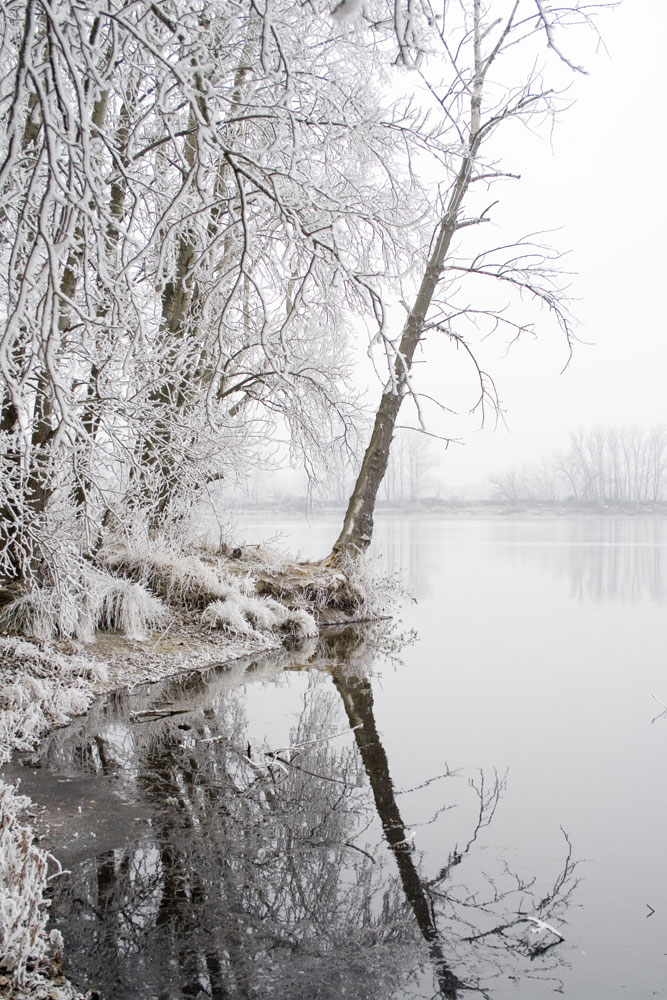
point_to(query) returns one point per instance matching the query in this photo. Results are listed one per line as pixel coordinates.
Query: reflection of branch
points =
(307, 743)
(488, 803)
(564, 885)
(660, 715)
(447, 773)
(539, 927)
(276, 757)
(312, 774)
(355, 847)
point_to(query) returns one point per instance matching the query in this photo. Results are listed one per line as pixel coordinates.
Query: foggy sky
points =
(595, 186)
(600, 183)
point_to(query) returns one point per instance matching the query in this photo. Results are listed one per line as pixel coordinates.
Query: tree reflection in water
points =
(266, 873)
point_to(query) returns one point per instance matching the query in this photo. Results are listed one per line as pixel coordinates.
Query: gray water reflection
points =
(286, 868)
(620, 559)
(611, 559)
(533, 663)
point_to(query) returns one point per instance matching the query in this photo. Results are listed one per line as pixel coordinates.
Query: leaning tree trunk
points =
(357, 530)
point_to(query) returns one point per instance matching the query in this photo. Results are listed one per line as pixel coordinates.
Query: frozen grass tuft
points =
(183, 581)
(244, 615)
(300, 625)
(103, 601)
(39, 614)
(129, 608)
(227, 615)
(262, 614)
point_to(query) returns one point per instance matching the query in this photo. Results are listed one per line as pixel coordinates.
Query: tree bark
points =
(357, 531)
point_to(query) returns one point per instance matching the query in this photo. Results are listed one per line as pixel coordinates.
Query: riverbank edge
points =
(44, 684)
(110, 664)
(446, 510)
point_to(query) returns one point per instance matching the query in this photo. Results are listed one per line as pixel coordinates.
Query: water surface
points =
(364, 818)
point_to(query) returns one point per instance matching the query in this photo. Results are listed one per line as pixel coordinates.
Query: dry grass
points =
(182, 581)
(316, 587)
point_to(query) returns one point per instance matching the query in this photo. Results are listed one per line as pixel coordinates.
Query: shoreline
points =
(456, 511)
(217, 611)
(112, 663)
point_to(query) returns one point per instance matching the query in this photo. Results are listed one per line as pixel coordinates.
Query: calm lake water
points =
(380, 817)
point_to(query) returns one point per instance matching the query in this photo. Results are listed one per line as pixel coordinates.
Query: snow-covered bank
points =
(214, 612)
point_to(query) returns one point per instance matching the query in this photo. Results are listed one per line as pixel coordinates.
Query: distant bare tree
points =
(410, 467)
(511, 487)
(616, 465)
(603, 465)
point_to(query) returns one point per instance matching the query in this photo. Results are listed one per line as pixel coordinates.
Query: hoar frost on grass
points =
(229, 602)
(242, 615)
(184, 581)
(99, 601)
(38, 690)
(129, 608)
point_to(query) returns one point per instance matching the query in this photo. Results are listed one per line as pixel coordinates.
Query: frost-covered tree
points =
(199, 202)
(480, 71)
(195, 197)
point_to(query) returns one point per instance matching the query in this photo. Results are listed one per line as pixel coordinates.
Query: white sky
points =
(601, 184)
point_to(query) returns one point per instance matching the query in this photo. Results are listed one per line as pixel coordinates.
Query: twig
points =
(308, 743)
(660, 714)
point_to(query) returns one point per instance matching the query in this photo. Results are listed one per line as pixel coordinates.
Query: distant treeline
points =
(602, 465)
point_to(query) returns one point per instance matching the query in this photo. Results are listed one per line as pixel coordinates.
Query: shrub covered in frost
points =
(38, 690)
(23, 911)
